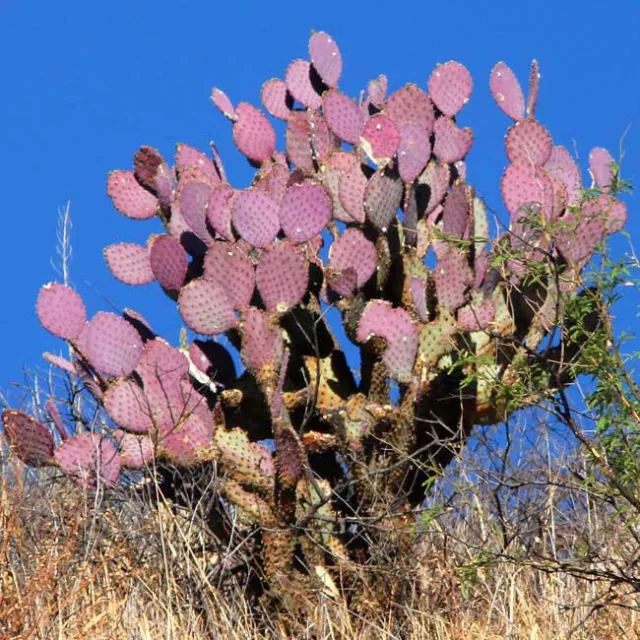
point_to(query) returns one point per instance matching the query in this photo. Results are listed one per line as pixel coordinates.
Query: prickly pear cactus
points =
(345, 212)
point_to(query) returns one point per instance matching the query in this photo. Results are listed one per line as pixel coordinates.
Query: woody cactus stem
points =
(382, 183)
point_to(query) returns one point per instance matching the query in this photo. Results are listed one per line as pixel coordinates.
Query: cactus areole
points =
(344, 212)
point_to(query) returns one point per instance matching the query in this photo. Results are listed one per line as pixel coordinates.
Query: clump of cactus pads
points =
(346, 211)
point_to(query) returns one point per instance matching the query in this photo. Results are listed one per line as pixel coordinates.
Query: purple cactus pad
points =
(282, 277)
(326, 58)
(396, 327)
(226, 264)
(380, 139)
(601, 168)
(506, 91)
(255, 217)
(528, 140)
(411, 104)
(343, 116)
(450, 87)
(112, 345)
(298, 81)
(169, 262)
(306, 210)
(30, 439)
(353, 251)
(89, 460)
(274, 95)
(61, 311)
(382, 199)
(253, 134)
(129, 263)
(222, 102)
(206, 307)
(451, 143)
(129, 197)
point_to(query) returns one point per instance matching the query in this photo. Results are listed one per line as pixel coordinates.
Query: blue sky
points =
(85, 84)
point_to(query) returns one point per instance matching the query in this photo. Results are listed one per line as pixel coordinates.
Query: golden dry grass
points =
(75, 566)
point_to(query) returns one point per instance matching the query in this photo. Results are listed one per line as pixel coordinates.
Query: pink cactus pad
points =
(89, 460)
(450, 87)
(218, 210)
(168, 261)
(153, 173)
(330, 178)
(343, 116)
(217, 160)
(274, 98)
(184, 444)
(580, 235)
(253, 133)
(560, 197)
(282, 277)
(382, 199)
(163, 362)
(112, 345)
(129, 198)
(31, 441)
(343, 161)
(528, 140)
(455, 216)
(326, 58)
(60, 362)
(145, 166)
(522, 184)
(534, 89)
(274, 180)
(601, 168)
(343, 281)
(206, 307)
(306, 210)
(226, 264)
(129, 263)
(475, 317)
(396, 327)
(277, 401)
(436, 177)
(136, 452)
(61, 311)
(451, 144)
(298, 81)
(411, 104)
(307, 139)
(255, 217)
(353, 251)
(380, 139)
(262, 342)
(222, 102)
(193, 199)
(562, 166)
(187, 156)
(377, 91)
(127, 406)
(612, 211)
(506, 91)
(452, 276)
(353, 185)
(414, 151)
(56, 419)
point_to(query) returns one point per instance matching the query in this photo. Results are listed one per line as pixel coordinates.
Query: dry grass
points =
(74, 566)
